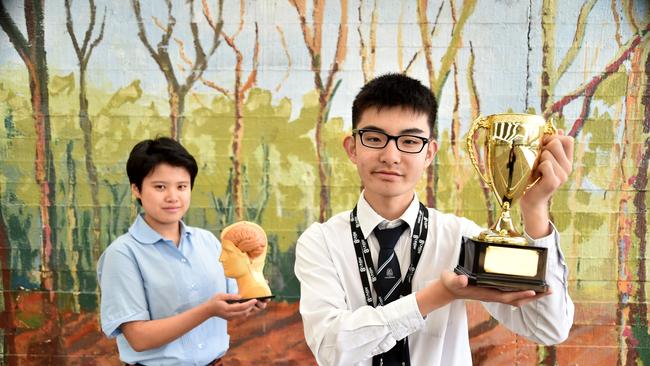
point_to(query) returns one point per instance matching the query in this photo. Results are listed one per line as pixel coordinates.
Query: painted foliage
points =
(260, 92)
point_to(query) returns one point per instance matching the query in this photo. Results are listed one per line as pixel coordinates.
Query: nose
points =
(172, 195)
(390, 154)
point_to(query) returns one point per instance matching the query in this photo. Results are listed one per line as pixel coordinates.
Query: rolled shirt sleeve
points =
(123, 294)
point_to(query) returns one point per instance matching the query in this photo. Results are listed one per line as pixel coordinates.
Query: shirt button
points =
(200, 345)
(183, 260)
(193, 286)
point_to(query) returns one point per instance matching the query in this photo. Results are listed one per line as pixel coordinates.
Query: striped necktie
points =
(389, 276)
(389, 281)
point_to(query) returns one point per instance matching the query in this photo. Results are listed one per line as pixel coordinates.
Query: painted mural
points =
(260, 92)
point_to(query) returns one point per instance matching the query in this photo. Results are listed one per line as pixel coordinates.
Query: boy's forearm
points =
(433, 297)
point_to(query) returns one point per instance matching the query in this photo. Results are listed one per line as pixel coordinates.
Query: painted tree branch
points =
(285, 48)
(581, 25)
(588, 89)
(433, 31)
(368, 51)
(551, 75)
(175, 89)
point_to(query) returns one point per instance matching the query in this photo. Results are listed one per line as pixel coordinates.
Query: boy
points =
(164, 293)
(420, 320)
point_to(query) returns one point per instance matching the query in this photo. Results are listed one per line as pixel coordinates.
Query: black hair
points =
(395, 90)
(146, 155)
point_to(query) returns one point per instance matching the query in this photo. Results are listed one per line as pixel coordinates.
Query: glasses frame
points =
(361, 131)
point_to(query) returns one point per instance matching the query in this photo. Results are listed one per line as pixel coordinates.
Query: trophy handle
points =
(479, 122)
(549, 129)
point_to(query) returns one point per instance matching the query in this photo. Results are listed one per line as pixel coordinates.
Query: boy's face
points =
(165, 196)
(389, 173)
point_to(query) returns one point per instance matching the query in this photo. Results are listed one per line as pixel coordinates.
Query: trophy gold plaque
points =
(501, 257)
(243, 254)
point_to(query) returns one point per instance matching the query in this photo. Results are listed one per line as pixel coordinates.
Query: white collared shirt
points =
(341, 329)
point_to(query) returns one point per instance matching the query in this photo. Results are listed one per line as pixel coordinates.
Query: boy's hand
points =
(553, 167)
(458, 288)
(224, 309)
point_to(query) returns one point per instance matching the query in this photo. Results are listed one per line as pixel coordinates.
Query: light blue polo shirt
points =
(145, 277)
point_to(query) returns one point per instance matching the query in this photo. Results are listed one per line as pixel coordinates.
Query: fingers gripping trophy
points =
(500, 257)
(244, 245)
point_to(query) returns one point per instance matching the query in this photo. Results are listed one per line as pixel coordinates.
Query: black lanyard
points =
(364, 261)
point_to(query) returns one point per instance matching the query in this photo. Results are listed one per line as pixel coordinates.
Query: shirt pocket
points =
(436, 321)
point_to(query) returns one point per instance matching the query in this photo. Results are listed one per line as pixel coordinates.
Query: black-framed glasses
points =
(378, 140)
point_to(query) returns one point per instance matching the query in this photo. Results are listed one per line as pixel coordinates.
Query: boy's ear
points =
(432, 148)
(350, 147)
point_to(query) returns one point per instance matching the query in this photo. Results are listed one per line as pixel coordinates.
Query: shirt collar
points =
(144, 234)
(369, 218)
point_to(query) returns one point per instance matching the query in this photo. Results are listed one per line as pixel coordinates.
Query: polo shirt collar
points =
(369, 218)
(144, 234)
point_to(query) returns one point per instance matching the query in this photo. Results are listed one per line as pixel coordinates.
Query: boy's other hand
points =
(458, 287)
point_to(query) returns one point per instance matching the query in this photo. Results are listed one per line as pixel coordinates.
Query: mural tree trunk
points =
(640, 316)
(83, 54)
(476, 111)
(32, 52)
(239, 94)
(175, 90)
(437, 80)
(313, 40)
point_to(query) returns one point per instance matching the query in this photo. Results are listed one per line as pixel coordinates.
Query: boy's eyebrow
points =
(407, 131)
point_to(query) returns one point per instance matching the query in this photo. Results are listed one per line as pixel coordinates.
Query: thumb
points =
(461, 281)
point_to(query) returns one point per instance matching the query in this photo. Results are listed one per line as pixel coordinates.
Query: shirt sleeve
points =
(122, 291)
(335, 334)
(548, 319)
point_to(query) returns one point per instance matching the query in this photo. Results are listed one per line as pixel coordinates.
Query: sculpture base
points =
(503, 266)
(250, 298)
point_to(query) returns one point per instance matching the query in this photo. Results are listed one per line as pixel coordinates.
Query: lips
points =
(387, 173)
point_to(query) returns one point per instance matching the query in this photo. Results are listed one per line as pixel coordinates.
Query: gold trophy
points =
(500, 257)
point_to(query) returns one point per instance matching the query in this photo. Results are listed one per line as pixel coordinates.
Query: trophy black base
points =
(506, 267)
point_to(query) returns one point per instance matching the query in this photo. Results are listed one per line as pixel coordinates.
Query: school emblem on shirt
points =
(389, 273)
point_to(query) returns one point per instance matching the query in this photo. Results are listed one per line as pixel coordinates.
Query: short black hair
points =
(395, 90)
(146, 155)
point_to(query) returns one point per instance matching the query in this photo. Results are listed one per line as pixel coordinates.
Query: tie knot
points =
(387, 238)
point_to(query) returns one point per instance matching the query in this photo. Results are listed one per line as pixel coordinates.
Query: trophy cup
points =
(500, 257)
(243, 254)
